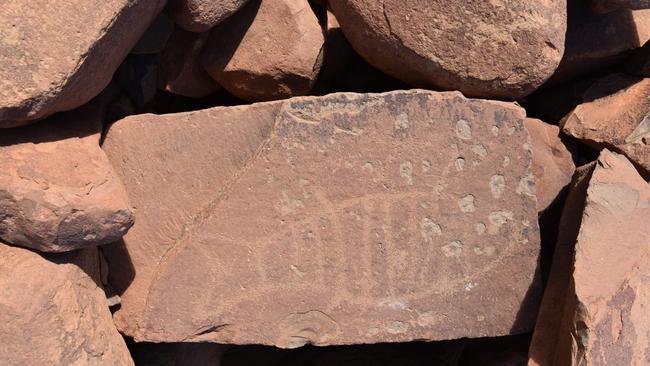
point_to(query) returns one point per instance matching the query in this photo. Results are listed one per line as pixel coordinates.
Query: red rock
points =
(615, 115)
(484, 49)
(349, 218)
(54, 312)
(179, 69)
(56, 56)
(257, 58)
(202, 15)
(595, 41)
(58, 191)
(605, 6)
(594, 310)
(552, 163)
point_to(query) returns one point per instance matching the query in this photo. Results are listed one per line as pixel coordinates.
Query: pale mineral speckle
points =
(289, 205)
(527, 185)
(401, 122)
(428, 228)
(497, 185)
(397, 327)
(368, 166)
(470, 285)
(463, 130)
(527, 146)
(406, 172)
(460, 164)
(479, 150)
(480, 228)
(466, 203)
(453, 249)
(499, 218)
(478, 250)
(495, 131)
(506, 161)
(426, 165)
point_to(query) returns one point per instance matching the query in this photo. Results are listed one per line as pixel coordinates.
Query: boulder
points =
(484, 49)
(615, 115)
(202, 15)
(256, 57)
(552, 163)
(56, 56)
(605, 6)
(594, 310)
(53, 312)
(596, 41)
(58, 191)
(349, 218)
(179, 69)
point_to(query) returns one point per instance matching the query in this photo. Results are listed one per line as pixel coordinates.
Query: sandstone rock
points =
(594, 310)
(256, 57)
(179, 69)
(605, 6)
(58, 191)
(351, 218)
(595, 41)
(616, 115)
(155, 37)
(484, 49)
(552, 163)
(202, 15)
(56, 56)
(53, 312)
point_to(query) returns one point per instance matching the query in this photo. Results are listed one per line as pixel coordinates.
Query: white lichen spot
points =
(495, 131)
(480, 150)
(289, 205)
(499, 218)
(466, 203)
(480, 228)
(424, 204)
(506, 161)
(426, 165)
(478, 250)
(527, 146)
(460, 164)
(427, 318)
(401, 122)
(525, 222)
(470, 285)
(428, 228)
(453, 249)
(397, 327)
(511, 130)
(527, 185)
(367, 166)
(406, 172)
(497, 185)
(349, 164)
(463, 130)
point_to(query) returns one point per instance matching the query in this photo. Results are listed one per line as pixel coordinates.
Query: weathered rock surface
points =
(351, 218)
(595, 41)
(53, 312)
(48, 65)
(269, 50)
(605, 6)
(434, 44)
(552, 163)
(594, 310)
(616, 115)
(179, 69)
(58, 191)
(202, 15)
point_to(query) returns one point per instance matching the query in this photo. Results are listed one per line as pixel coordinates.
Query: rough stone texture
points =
(202, 15)
(351, 218)
(53, 312)
(269, 50)
(605, 6)
(552, 163)
(616, 115)
(595, 41)
(179, 69)
(430, 43)
(58, 191)
(594, 310)
(56, 56)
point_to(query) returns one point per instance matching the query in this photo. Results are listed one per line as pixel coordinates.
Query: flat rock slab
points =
(58, 191)
(57, 55)
(595, 307)
(349, 218)
(53, 312)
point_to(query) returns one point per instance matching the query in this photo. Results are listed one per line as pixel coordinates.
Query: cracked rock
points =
(58, 191)
(202, 15)
(328, 220)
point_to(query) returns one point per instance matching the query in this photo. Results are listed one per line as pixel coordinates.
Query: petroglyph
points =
(351, 221)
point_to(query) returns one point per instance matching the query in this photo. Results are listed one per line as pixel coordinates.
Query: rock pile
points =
(302, 182)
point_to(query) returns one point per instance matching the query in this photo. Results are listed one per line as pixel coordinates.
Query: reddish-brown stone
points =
(58, 191)
(57, 55)
(202, 15)
(349, 218)
(616, 115)
(269, 50)
(594, 310)
(179, 69)
(484, 48)
(53, 312)
(552, 163)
